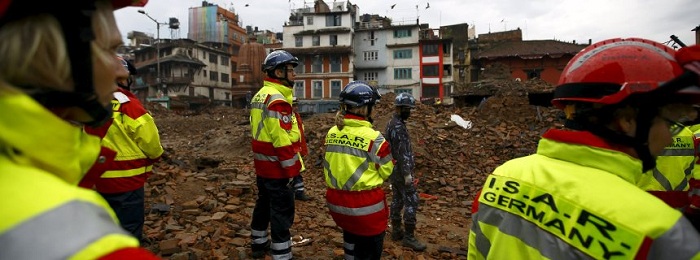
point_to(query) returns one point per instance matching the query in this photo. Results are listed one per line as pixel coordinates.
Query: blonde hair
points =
(340, 115)
(34, 56)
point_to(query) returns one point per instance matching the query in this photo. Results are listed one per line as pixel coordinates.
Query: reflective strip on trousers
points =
(283, 246)
(259, 237)
(349, 250)
(363, 211)
(59, 233)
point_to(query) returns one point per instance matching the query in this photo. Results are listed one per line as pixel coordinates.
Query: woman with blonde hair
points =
(58, 72)
(356, 164)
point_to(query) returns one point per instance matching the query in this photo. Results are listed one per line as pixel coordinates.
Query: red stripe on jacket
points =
(367, 225)
(675, 199)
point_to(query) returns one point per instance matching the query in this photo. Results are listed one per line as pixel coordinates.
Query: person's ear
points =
(627, 125)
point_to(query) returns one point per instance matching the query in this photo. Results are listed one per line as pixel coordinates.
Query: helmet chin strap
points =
(285, 80)
(639, 142)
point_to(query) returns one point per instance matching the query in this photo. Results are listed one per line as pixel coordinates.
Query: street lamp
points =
(158, 80)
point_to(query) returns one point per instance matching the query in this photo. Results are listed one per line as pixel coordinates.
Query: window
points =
(298, 41)
(300, 68)
(204, 73)
(333, 20)
(317, 65)
(371, 55)
(225, 61)
(446, 70)
(318, 89)
(213, 58)
(371, 38)
(316, 40)
(446, 49)
(402, 73)
(299, 89)
(335, 88)
(225, 77)
(430, 50)
(430, 70)
(370, 76)
(335, 63)
(399, 91)
(213, 76)
(234, 67)
(333, 39)
(403, 54)
(430, 91)
(401, 33)
(309, 20)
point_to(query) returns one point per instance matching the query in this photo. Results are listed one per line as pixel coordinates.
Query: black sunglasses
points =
(675, 127)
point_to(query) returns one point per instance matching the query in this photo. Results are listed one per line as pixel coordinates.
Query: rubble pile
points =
(200, 199)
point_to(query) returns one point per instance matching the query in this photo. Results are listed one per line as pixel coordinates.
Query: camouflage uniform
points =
(405, 197)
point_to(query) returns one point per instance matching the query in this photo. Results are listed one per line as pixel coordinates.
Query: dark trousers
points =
(129, 207)
(274, 207)
(363, 247)
(404, 198)
(298, 184)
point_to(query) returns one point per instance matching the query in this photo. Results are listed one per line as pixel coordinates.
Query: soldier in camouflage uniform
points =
(405, 196)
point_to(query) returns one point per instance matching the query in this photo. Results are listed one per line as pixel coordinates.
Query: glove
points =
(408, 180)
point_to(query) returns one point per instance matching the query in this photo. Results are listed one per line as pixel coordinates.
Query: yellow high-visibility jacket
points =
(43, 213)
(356, 163)
(669, 179)
(275, 139)
(575, 198)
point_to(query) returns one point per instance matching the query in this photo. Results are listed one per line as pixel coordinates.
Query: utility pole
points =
(158, 76)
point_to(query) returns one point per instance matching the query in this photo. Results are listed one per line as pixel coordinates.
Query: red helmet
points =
(15, 9)
(609, 71)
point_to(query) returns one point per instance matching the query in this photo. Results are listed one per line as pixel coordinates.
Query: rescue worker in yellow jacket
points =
(577, 198)
(58, 72)
(668, 180)
(357, 162)
(131, 145)
(276, 156)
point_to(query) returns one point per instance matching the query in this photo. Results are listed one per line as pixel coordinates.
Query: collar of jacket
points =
(284, 90)
(35, 137)
(587, 149)
(353, 120)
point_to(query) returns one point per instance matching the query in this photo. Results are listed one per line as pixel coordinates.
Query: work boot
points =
(396, 230)
(257, 254)
(409, 239)
(301, 196)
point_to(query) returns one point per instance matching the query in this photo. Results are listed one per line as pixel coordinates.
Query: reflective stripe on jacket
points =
(694, 182)
(669, 179)
(275, 146)
(575, 199)
(133, 135)
(356, 163)
(44, 214)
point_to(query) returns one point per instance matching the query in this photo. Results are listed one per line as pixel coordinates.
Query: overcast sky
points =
(564, 20)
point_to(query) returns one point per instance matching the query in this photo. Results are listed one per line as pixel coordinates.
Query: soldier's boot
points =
(259, 251)
(409, 239)
(396, 230)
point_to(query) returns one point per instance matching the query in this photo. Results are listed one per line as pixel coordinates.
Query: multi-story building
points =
(190, 72)
(461, 35)
(524, 60)
(435, 65)
(387, 54)
(322, 37)
(211, 23)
